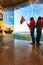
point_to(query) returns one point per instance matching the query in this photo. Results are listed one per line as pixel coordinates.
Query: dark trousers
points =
(38, 35)
(32, 35)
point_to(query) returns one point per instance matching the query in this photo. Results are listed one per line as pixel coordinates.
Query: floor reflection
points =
(21, 52)
(30, 54)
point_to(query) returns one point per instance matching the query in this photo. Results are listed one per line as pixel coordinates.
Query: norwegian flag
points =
(22, 20)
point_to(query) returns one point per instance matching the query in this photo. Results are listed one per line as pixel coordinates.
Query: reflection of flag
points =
(22, 20)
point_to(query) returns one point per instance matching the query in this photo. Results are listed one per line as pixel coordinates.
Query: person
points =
(31, 26)
(38, 30)
(42, 21)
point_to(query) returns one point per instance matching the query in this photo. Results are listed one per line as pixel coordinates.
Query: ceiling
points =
(13, 3)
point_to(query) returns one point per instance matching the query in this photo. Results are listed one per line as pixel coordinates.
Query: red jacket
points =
(31, 25)
(39, 24)
(42, 24)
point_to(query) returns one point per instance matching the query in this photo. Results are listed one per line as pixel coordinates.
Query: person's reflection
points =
(39, 55)
(35, 55)
(33, 47)
(38, 49)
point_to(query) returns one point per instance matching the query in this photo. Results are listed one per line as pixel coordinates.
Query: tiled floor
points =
(21, 52)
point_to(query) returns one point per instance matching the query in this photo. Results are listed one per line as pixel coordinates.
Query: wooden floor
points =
(21, 52)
